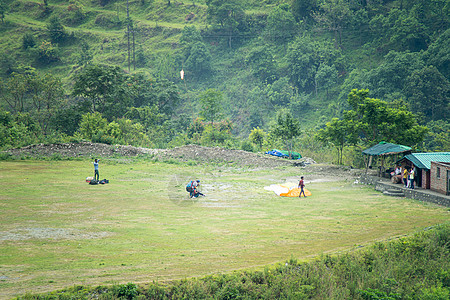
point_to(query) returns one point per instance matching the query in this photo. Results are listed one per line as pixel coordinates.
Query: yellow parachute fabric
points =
(288, 189)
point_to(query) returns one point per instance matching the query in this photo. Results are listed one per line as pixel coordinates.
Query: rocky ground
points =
(184, 153)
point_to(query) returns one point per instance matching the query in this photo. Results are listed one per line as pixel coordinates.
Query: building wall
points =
(425, 179)
(439, 184)
(417, 194)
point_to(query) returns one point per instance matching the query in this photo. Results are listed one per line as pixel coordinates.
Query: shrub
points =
(56, 30)
(91, 124)
(108, 21)
(75, 13)
(246, 145)
(28, 41)
(129, 290)
(47, 52)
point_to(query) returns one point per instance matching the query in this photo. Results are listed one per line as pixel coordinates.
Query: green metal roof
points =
(384, 148)
(423, 160)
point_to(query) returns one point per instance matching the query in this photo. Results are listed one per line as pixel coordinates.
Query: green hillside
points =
(296, 57)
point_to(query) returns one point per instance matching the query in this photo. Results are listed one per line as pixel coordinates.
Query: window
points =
(438, 172)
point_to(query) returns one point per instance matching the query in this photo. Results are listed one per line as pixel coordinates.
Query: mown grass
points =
(58, 231)
(414, 267)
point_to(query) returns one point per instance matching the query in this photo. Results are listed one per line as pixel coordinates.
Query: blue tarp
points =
(284, 154)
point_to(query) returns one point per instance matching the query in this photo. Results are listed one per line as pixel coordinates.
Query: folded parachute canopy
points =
(288, 189)
(284, 154)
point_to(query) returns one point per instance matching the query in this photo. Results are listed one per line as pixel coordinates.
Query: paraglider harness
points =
(193, 192)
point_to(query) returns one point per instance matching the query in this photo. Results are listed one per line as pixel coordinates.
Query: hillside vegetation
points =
(84, 70)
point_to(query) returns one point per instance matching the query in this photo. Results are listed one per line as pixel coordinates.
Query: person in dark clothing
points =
(96, 174)
(301, 185)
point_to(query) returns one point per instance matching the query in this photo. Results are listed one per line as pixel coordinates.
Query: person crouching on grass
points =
(301, 185)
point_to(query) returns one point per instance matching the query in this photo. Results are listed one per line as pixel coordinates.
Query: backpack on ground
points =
(189, 187)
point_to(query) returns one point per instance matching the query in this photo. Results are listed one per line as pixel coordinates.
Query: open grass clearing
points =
(57, 231)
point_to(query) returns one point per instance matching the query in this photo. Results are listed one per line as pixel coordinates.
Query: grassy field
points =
(57, 231)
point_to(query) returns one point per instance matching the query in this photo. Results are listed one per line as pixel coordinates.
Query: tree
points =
(257, 137)
(13, 92)
(286, 128)
(326, 77)
(336, 14)
(340, 133)
(360, 23)
(438, 55)
(47, 52)
(105, 88)
(304, 9)
(227, 13)
(91, 124)
(391, 75)
(304, 58)
(438, 139)
(145, 91)
(376, 121)
(428, 92)
(280, 93)
(262, 63)
(408, 32)
(372, 121)
(211, 103)
(280, 24)
(149, 117)
(190, 35)
(199, 59)
(47, 95)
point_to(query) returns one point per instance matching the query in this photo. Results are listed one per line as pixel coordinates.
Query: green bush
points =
(128, 291)
(28, 41)
(108, 21)
(246, 145)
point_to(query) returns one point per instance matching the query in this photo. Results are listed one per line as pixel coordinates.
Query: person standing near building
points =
(405, 176)
(411, 177)
(301, 185)
(96, 174)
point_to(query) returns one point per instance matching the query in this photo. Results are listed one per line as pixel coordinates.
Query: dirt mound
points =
(221, 155)
(78, 150)
(184, 153)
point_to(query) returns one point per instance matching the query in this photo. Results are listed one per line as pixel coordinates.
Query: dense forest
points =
(308, 75)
